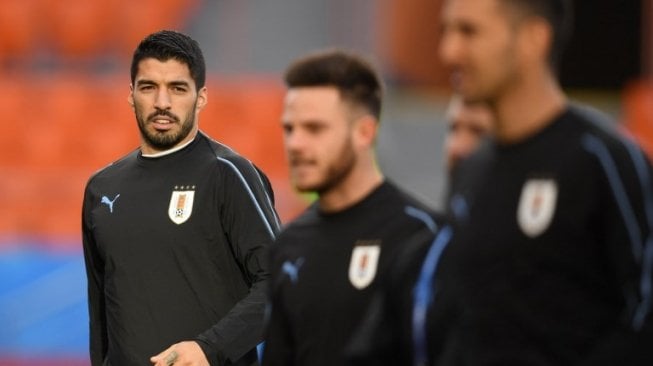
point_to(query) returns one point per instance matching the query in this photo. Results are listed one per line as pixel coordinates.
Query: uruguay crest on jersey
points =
(181, 204)
(537, 205)
(362, 267)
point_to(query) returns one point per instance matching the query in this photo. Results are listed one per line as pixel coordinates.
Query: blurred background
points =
(64, 81)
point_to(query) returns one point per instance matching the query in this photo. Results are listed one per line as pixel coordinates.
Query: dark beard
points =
(162, 140)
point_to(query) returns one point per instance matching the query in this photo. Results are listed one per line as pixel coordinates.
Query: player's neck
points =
(150, 151)
(528, 108)
(361, 181)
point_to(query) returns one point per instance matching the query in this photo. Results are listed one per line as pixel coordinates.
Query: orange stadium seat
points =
(264, 116)
(41, 201)
(223, 118)
(638, 112)
(35, 168)
(80, 28)
(60, 203)
(408, 33)
(16, 106)
(56, 118)
(19, 27)
(84, 122)
(110, 126)
(137, 19)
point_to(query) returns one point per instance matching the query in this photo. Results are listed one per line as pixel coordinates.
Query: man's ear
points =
(202, 98)
(367, 127)
(130, 97)
(536, 39)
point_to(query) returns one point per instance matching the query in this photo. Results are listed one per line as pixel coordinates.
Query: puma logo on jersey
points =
(108, 202)
(292, 269)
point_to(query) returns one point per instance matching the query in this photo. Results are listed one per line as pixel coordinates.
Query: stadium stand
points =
(80, 29)
(638, 112)
(136, 19)
(20, 29)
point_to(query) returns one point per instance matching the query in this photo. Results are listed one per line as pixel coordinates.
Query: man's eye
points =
(314, 128)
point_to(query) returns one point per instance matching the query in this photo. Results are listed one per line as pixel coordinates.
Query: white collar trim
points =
(167, 152)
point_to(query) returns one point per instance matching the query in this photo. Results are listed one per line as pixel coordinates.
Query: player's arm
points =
(250, 223)
(627, 228)
(95, 279)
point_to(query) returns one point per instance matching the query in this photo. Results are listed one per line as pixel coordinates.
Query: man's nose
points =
(450, 48)
(162, 100)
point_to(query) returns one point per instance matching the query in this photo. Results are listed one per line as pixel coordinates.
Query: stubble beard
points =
(167, 139)
(340, 168)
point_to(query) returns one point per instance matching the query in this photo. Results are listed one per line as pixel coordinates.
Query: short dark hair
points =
(355, 78)
(558, 13)
(165, 45)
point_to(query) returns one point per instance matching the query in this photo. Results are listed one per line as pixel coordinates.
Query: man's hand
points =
(181, 354)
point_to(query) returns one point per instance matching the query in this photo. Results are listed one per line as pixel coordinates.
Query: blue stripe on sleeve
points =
(422, 216)
(646, 285)
(598, 148)
(423, 295)
(642, 250)
(267, 197)
(251, 194)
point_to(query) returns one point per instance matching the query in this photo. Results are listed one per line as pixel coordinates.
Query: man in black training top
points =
(398, 327)
(326, 262)
(176, 233)
(552, 259)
